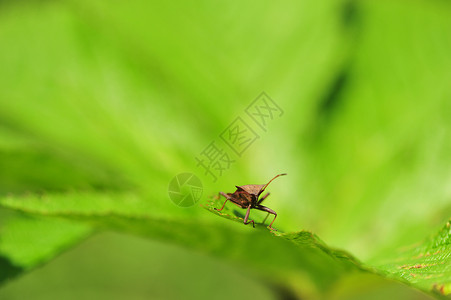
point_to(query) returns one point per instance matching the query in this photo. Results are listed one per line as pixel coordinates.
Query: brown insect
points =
(246, 196)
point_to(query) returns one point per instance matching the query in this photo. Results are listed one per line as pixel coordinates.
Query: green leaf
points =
(427, 266)
(305, 260)
(37, 170)
(28, 241)
(8, 270)
(115, 99)
(303, 252)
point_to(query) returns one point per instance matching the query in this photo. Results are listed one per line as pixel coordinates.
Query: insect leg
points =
(263, 198)
(247, 217)
(227, 198)
(259, 202)
(267, 209)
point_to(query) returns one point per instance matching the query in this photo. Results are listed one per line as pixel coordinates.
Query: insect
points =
(247, 196)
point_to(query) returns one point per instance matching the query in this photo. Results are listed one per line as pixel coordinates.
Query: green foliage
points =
(28, 241)
(103, 103)
(427, 265)
(302, 254)
(306, 261)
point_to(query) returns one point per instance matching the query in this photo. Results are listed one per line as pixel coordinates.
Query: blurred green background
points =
(122, 96)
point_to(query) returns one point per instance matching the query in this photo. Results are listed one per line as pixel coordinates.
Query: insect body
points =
(247, 196)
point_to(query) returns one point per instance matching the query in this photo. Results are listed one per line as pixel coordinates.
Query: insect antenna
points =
(261, 191)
